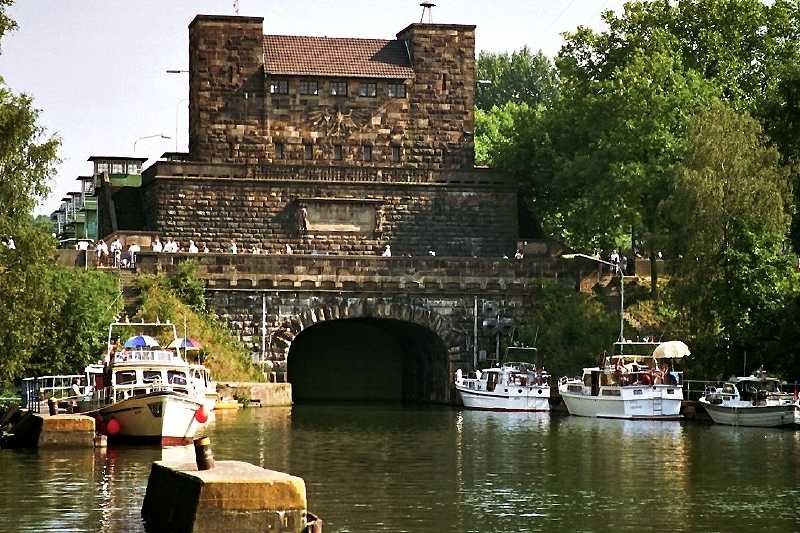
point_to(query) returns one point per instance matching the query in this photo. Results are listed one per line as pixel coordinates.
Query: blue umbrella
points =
(141, 341)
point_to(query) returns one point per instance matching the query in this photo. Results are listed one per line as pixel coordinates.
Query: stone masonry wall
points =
(289, 313)
(442, 97)
(234, 118)
(226, 89)
(412, 218)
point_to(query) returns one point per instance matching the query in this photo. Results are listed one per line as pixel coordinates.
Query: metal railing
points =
(34, 391)
(693, 389)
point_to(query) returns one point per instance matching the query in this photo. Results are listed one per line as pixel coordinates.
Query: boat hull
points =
(166, 417)
(516, 399)
(764, 416)
(644, 408)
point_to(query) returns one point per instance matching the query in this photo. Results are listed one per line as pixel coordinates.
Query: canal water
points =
(381, 467)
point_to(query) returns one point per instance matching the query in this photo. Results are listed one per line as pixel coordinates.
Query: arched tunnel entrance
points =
(368, 359)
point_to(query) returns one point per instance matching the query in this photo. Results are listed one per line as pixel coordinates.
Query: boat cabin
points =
(754, 389)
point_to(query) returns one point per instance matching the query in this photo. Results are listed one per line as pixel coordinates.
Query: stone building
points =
(331, 145)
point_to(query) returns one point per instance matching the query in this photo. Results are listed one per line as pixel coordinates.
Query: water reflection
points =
(393, 468)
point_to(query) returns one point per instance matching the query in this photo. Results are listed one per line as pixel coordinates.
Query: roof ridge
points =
(331, 38)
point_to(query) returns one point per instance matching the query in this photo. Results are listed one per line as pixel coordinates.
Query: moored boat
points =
(639, 381)
(513, 386)
(755, 401)
(143, 392)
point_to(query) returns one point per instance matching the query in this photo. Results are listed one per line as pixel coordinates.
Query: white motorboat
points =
(144, 392)
(513, 386)
(638, 382)
(756, 401)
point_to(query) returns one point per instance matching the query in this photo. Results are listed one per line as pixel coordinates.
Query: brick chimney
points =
(226, 89)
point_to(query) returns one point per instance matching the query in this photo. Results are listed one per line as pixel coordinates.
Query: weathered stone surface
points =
(233, 496)
(260, 394)
(64, 431)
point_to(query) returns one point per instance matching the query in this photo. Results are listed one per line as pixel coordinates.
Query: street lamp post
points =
(178, 105)
(618, 269)
(156, 135)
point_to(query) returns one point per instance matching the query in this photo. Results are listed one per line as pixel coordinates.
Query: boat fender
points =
(113, 427)
(200, 415)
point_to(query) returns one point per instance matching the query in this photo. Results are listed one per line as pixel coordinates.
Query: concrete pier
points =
(35, 430)
(233, 496)
(259, 394)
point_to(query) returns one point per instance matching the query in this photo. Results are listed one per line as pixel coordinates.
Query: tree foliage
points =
(731, 210)
(51, 318)
(223, 353)
(187, 286)
(584, 329)
(520, 77)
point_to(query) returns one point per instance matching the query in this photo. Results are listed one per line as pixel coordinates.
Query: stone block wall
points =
(348, 122)
(451, 219)
(226, 89)
(234, 119)
(442, 97)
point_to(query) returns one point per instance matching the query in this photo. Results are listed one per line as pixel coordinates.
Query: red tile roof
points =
(327, 56)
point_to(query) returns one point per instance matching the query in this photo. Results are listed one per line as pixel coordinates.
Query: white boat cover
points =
(671, 350)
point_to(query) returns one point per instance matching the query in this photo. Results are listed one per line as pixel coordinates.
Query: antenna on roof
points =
(427, 6)
(236, 7)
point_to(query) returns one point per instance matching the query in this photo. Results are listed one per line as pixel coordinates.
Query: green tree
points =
(731, 210)
(585, 327)
(747, 48)
(520, 77)
(615, 145)
(187, 286)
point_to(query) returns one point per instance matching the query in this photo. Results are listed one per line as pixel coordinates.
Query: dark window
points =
(308, 151)
(279, 87)
(444, 83)
(396, 154)
(309, 87)
(368, 89)
(397, 90)
(151, 375)
(337, 152)
(125, 377)
(338, 88)
(176, 378)
(279, 151)
(366, 152)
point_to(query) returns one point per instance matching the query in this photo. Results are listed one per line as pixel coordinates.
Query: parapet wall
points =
(349, 210)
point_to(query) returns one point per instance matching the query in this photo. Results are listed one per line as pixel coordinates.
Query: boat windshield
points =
(753, 386)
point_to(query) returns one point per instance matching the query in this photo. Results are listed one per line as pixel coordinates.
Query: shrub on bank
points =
(226, 356)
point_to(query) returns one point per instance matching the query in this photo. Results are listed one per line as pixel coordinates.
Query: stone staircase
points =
(131, 296)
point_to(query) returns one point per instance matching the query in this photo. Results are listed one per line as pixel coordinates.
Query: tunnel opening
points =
(368, 359)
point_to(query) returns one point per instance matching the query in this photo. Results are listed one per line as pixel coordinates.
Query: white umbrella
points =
(671, 350)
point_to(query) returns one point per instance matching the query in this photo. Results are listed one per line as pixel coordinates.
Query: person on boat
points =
(157, 246)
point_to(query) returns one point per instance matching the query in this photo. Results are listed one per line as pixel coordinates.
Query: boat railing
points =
(694, 389)
(145, 355)
(38, 389)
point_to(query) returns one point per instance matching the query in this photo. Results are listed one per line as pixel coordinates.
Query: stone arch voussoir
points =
(292, 326)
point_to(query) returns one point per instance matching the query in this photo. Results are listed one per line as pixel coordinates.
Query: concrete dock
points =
(232, 496)
(37, 430)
